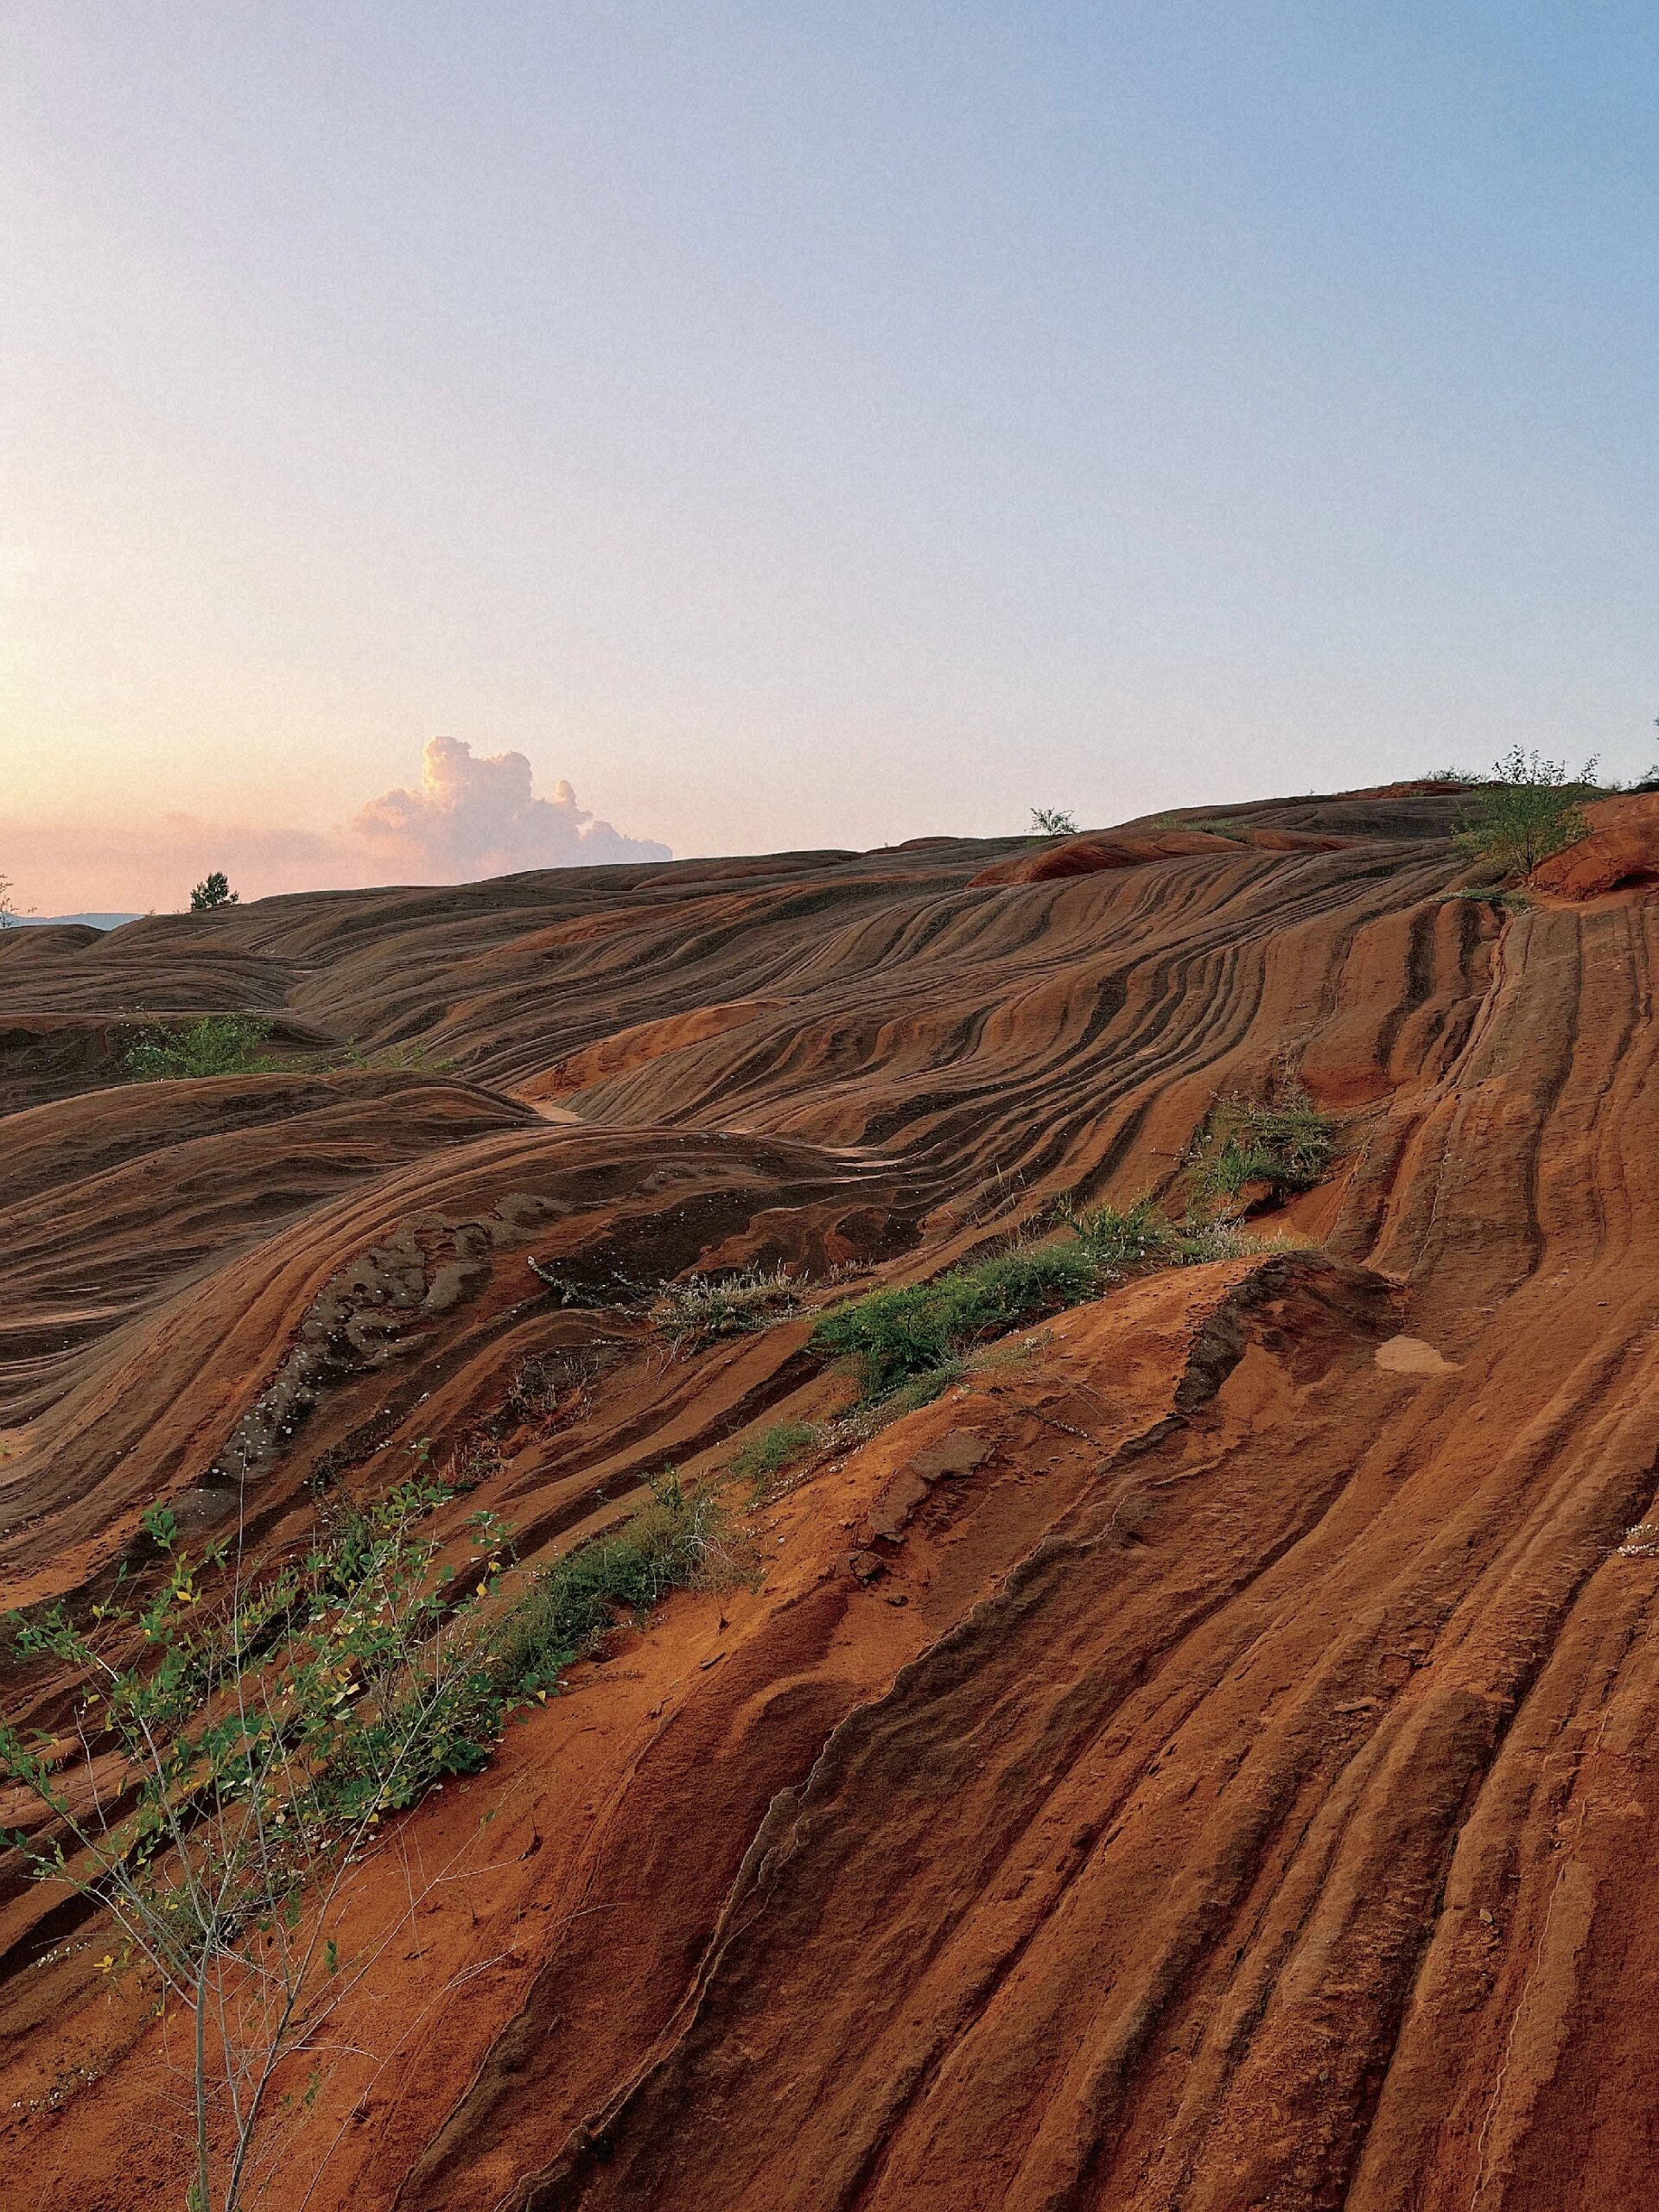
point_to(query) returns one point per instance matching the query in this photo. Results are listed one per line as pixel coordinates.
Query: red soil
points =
(1204, 1762)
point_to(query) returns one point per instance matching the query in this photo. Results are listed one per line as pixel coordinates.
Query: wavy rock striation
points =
(1201, 1762)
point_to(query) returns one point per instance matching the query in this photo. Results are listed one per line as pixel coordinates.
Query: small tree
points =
(1527, 810)
(10, 913)
(219, 1776)
(214, 890)
(1053, 821)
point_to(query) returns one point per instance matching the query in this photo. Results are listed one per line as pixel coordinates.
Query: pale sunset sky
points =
(734, 426)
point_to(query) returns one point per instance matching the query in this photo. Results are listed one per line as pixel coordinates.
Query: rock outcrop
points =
(1202, 1761)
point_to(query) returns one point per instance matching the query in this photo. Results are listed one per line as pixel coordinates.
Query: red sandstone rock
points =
(1623, 847)
(1250, 1804)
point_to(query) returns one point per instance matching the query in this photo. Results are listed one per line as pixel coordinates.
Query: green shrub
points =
(220, 1044)
(1525, 811)
(1053, 821)
(764, 1458)
(1288, 1147)
(894, 1335)
(677, 1541)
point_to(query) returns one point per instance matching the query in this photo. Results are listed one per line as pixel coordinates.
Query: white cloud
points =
(473, 817)
(470, 818)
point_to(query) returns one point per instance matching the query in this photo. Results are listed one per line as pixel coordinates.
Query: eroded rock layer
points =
(1201, 1762)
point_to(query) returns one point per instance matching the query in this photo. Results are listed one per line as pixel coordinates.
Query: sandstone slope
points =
(1202, 1763)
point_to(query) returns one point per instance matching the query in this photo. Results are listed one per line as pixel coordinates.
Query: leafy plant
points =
(10, 913)
(1053, 821)
(1527, 809)
(677, 1541)
(1288, 1147)
(219, 1044)
(214, 890)
(224, 1758)
(764, 1458)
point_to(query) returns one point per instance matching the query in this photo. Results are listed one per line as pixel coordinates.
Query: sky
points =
(738, 427)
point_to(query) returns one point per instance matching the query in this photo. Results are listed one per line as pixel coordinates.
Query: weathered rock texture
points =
(1206, 1762)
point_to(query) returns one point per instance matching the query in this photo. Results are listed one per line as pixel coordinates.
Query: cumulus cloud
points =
(473, 817)
(470, 817)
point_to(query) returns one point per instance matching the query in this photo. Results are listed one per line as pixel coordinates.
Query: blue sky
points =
(807, 424)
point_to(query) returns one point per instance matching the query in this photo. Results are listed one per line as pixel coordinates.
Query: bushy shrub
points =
(1527, 809)
(214, 890)
(220, 1044)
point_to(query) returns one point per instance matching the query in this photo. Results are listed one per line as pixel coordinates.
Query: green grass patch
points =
(894, 1336)
(1288, 1147)
(764, 1458)
(675, 1542)
(1129, 1240)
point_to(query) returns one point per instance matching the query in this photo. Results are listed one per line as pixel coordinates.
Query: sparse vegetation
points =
(229, 1756)
(764, 1458)
(1490, 894)
(1127, 1240)
(242, 1730)
(868, 1416)
(1236, 830)
(1053, 821)
(1527, 809)
(705, 1309)
(678, 1541)
(1287, 1147)
(10, 913)
(214, 890)
(909, 1343)
(389, 1059)
(219, 1044)
(895, 1335)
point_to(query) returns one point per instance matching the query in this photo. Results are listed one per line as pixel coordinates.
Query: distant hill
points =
(93, 921)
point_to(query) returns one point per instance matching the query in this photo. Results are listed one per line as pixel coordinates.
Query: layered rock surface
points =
(1204, 1762)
